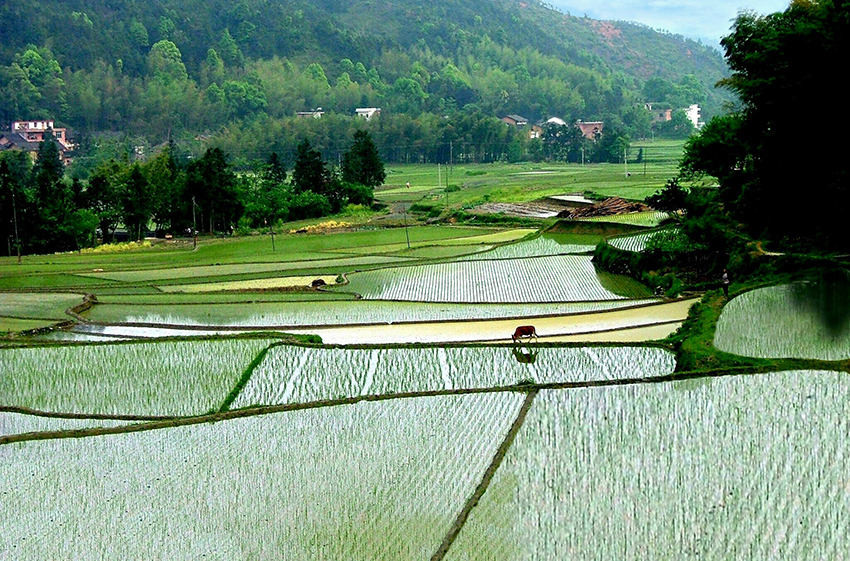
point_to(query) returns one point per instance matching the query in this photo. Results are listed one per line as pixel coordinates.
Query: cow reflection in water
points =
(525, 356)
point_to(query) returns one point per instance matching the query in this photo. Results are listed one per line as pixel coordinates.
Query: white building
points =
(693, 113)
(368, 112)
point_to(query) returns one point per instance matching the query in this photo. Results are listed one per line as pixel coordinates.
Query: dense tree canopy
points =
(783, 65)
(165, 70)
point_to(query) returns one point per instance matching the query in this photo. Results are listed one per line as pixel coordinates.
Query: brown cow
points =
(524, 331)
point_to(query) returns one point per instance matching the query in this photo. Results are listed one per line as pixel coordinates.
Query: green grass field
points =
(523, 182)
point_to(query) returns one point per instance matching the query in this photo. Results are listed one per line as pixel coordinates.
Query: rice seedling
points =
(369, 481)
(37, 306)
(254, 284)
(536, 247)
(268, 314)
(168, 378)
(748, 467)
(800, 320)
(631, 243)
(14, 325)
(649, 219)
(562, 278)
(294, 374)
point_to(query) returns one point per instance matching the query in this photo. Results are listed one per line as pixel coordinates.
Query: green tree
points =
(362, 163)
(102, 197)
(781, 62)
(12, 197)
(136, 202)
(166, 181)
(679, 126)
(165, 61)
(309, 172)
(213, 187)
(267, 196)
(52, 198)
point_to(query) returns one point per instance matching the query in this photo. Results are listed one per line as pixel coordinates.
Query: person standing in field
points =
(724, 282)
(408, 184)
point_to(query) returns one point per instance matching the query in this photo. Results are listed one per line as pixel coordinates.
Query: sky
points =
(707, 20)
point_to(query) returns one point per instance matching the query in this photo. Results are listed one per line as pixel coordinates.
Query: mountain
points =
(157, 67)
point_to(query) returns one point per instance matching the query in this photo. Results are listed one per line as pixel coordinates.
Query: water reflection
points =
(525, 356)
(826, 296)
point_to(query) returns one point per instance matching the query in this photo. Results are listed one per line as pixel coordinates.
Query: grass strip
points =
(243, 381)
(463, 515)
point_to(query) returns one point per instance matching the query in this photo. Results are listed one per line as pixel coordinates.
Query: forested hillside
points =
(235, 73)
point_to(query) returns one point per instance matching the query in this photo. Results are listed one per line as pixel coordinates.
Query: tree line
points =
(43, 211)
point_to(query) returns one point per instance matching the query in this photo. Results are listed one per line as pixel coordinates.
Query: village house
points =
(27, 135)
(368, 112)
(315, 113)
(590, 129)
(659, 115)
(515, 120)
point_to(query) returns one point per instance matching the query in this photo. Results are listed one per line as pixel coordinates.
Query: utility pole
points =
(406, 235)
(15, 219)
(194, 227)
(451, 160)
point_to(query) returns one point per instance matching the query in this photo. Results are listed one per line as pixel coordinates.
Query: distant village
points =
(27, 135)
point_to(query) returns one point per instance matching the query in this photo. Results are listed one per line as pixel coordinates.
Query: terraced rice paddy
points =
(301, 314)
(254, 284)
(565, 278)
(432, 449)
(175, 273)
(186, 378)
(551, 328)
(292, 374)
(467, 243)
(545, 245)
(647, 219)
(750, 467)
(371, 481)
(37, 306)
(635, 243)
(801, 320)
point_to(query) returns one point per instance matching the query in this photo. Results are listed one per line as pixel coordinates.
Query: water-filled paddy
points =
(186, 378)
(369, 481)
(747, 467)
(562, 278)
(290, 374)
(636, 242)
(807, 319)
(540, 246)
(333, 313)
